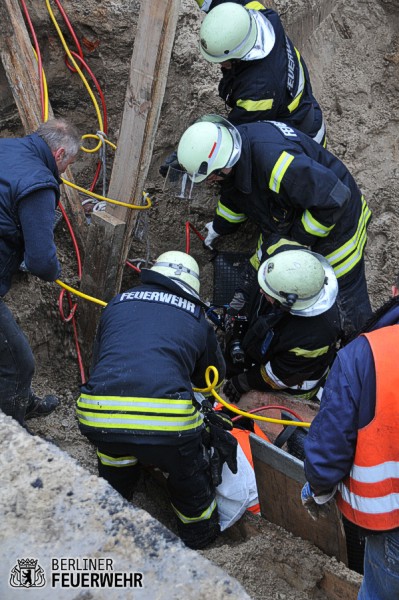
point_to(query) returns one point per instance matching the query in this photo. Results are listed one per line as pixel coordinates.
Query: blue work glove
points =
(317, 506)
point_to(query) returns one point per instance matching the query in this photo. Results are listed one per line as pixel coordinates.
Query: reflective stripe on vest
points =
(204, 516)
(229, 215)
(255, 105)
(344, 258)
(369, 495)
(141, 414)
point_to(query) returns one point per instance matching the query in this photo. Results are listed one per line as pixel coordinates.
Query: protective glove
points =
(317, 506)
(211, 235)
(235, 387)
(170, 161)
(223, 448)
(217, 418)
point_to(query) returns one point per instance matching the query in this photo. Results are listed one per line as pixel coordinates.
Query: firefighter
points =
(293, 327)
(264, 76)
(153, 344)
(30, 169)
(352, 450)
(290, 186)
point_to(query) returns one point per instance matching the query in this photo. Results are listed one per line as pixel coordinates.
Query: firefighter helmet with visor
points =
(212, 143)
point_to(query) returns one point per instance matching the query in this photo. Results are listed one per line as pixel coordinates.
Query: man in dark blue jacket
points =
(291, 187)
(153, 344)
(352, 449)
(30, 170)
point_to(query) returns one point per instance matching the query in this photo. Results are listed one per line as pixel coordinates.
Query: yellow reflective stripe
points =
(283, 242)
(254, 6)
(352, 250)
(348, 264)
(294, 104)
(142, 422)
(204, 516)
(267, 379)
(256, 258)
(229, 215)
(121, 461)
(314, 227)
(279, 169)
(132, 404)
(310, 353)
(254, 105)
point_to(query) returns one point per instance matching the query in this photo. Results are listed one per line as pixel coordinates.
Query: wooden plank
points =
(144, 95)
(279, 478)
(21, 71)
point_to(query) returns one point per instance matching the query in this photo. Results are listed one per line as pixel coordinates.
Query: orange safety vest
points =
(242, 437)
(369, 495)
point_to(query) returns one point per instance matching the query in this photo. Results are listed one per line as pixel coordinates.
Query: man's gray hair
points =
(59, 133)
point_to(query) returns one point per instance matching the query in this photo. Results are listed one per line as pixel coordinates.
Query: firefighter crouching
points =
(152, 346)
(293, 326)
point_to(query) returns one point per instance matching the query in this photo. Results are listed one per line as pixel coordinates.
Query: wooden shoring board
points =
(279, 478)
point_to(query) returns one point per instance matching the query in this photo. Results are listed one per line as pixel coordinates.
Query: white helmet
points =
(297, 279)
(211, 143)
(230, 31)
(181, 268)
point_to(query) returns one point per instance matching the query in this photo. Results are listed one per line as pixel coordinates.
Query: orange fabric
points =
(369, 495)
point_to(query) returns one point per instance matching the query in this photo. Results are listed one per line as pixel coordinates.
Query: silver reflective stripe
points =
(372, 506)
(229, 216)
(143, 422)
(203, 517)
(122, 461)
(320, 134)
(386, 470)
(135, 404)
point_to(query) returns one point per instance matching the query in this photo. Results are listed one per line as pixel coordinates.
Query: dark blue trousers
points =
(17, 366)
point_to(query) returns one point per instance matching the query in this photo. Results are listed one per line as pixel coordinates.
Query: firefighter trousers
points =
(189, 483)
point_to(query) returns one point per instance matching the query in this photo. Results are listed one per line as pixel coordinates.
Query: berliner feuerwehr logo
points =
(27, 573)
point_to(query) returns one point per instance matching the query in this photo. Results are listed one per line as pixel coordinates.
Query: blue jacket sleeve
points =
(348, 404)
(36, 214)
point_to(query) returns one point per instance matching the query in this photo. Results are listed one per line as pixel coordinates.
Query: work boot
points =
(40, 407)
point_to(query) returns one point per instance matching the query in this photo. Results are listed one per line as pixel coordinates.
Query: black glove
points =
(235, 387)
(215, 417)
(170, 161)
(224, 450)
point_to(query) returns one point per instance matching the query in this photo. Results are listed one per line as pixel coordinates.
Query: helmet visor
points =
(213, 163)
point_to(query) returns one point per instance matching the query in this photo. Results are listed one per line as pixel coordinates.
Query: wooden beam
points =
(144, 96)
(22, 74)
(279, 479)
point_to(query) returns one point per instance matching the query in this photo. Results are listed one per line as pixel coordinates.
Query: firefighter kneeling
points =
(153, 344)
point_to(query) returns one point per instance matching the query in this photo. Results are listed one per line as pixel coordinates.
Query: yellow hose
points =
(211, 388)
(81, 294)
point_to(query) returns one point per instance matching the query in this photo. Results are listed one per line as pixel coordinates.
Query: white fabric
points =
(212, 235)
(236, 492)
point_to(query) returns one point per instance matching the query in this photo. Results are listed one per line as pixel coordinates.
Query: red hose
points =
(197, 233)
(269, 407)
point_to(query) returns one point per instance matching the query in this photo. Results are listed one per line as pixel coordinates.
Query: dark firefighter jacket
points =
(276, 87)
(153, 345)
(290, 185)
(347, 405)
(289, 350)
(29, 192)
